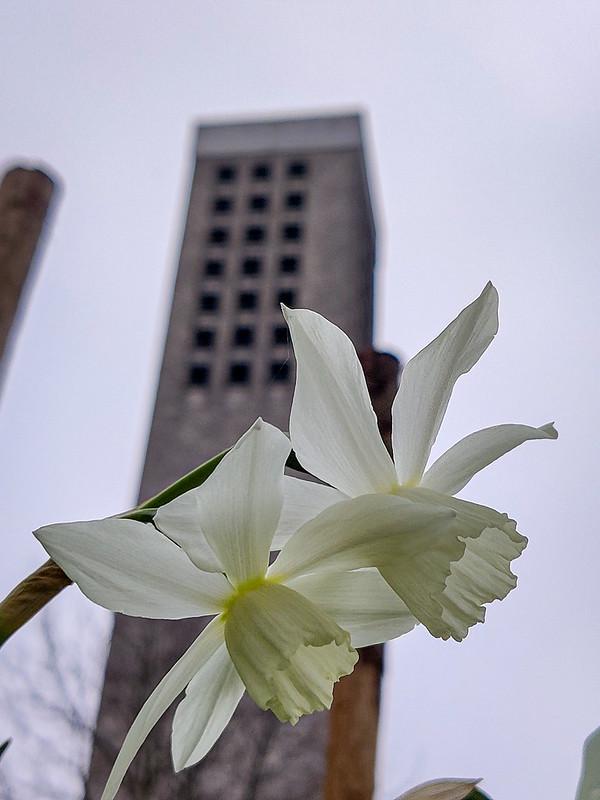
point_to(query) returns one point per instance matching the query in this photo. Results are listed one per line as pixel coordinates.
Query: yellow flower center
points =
(398, 487)
(243, 589)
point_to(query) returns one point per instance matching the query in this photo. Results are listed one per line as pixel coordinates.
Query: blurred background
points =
(482, 121)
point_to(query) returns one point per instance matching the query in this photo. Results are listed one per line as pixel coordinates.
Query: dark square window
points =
(205, 338)
(239, 373)
(280, 334)
(218, 236)
(292, 233)
(222, 205)
(247, 300)
(226, 174)
(199, 375)
(255, 233)
(209, 302)
(297, 169)
(280, 371)
(251, 266)
(289, 264)
(213, 267)
(258, 202)
(294, 200)
(243, 337)
(287, 297)
(261, 172)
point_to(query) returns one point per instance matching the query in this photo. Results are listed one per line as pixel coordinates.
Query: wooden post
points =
(354, 714)
(25, 196)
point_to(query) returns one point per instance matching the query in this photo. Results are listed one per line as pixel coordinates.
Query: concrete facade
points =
(278, 211)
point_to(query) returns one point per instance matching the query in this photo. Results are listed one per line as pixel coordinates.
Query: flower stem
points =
(29, 596)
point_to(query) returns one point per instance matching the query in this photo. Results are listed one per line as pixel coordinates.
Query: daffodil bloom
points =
(334, 434)
(285, 633)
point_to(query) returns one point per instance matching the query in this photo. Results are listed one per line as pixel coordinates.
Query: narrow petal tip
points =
(491, 293)
(489, 290)
(288, 313)
(550, 430)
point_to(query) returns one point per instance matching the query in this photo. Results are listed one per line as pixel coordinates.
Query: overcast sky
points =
(483, 126)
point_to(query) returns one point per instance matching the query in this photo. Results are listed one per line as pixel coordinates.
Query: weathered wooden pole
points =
(25, 196)
(354, 716)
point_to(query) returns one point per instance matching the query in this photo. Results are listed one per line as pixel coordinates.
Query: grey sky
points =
(484, 126)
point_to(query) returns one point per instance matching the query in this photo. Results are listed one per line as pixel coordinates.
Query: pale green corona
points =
(286, 650)
(243, 588)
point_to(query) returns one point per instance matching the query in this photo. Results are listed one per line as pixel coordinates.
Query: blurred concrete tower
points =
(279, 211)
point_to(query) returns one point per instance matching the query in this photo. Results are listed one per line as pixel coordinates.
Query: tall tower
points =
(279, 211)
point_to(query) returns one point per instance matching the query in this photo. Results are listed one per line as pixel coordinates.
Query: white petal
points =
(361, 603)
(180, 521)
(302, 500)
(288, 652)
(447, 587)
(210, 700)
(161, 698)
(428, 380)
(240, 503)
(589, 782)
(130, 567)
(455, 468)
(332, 424)
(367, 531)
(447, 789)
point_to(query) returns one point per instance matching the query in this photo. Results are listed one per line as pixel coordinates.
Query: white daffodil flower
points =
(286, 633)
(334, 434)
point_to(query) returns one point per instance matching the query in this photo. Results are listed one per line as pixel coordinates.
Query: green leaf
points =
(192, 480)
(146, 511)
(140, 514)
(477, 794)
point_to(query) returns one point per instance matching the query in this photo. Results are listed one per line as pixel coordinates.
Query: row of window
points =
(239, 372)
(243, 336)
(263, 171)
(291, 232)
(251, 266)
(247, 301)
(259, 202)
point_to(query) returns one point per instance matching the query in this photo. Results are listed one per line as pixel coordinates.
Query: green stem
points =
(29, 596)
